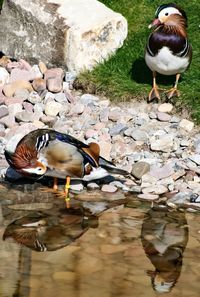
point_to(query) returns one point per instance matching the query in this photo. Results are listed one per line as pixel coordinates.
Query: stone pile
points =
(158, 147)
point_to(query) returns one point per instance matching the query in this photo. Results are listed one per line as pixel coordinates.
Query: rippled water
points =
(102, 248)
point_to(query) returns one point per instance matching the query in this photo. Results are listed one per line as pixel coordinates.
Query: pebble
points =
(195, 158)
(54, 78)
(3, 111)
(4, 76)
(148, 196)
(52, 108)
(109, 188)
(165, 107)
(186, 125)
(139, 169)
(39, 84)
(164, 143)
(163, 117)
(10, 89)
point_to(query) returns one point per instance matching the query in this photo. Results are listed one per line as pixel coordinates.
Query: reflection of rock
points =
(164, 238)
(44, 232)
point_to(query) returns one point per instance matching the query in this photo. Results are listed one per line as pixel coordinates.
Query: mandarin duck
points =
(164, 237)
(42, 231)
(46, 152)
(168, 51)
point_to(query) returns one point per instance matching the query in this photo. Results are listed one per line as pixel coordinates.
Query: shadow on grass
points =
(141, 74)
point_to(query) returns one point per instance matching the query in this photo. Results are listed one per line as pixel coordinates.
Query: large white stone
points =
(76, 34)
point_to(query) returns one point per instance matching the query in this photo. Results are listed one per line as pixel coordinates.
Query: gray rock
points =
(139, 135)
(61, 98)
(34, 98)
(89, 100)
(22, 93)
(150, 197)
(3, 111)
(52, 108)
(109, 188)
(163, 172)
(163, 143)
(163, 117)
(117, 129)
(25, 116)
(195, 158)
(139, 169)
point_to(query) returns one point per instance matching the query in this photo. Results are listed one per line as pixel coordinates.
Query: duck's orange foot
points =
(65, 196)
(154, 94)
(172, 93)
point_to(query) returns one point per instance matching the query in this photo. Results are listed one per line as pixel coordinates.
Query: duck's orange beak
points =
(154, 23)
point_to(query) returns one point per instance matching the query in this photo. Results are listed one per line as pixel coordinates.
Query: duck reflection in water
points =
(164, 237)
(44, 232)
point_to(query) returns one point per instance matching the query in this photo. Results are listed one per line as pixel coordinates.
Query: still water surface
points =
(129, 249)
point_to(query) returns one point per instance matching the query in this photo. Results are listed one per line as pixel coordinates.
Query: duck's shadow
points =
(141, 74)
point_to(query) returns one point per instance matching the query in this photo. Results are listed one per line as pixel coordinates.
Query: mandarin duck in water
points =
(51, 153)
(168, 51)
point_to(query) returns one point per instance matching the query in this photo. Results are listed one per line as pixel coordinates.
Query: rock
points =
(105, 149)
(13, 100)
(8, 121)
(4, 76)
(163, 117)
(54, 79)
(163, 143)
(39, 84)
(61, 98)
(150, 197)
(186, 125)
(42, 67)
(77, 187)
(109, 188)
(25, 116)
(4, 60)
(195, 158)
(10, 89)
(37, 74)
(139, 135)
(48, 120)
(89, 100)
(21, 74)
(163, 172)
(103, 116)
(91, 134)
(117, 129)
(21, 93)
(34, 98)
(92, 186)
(114, 115)
(3, 111)
(165, 107)
(139, 169)
(158, 190)
(27, 106)
(77, 108)
(52, 108)
(74, 39)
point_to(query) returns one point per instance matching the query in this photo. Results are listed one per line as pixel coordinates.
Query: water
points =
(105, 248)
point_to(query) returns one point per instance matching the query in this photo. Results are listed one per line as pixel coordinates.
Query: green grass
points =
(125, 76)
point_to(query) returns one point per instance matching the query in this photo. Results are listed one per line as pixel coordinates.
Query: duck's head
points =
(169, 14)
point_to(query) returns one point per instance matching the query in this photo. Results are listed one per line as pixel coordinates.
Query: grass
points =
(125, 75)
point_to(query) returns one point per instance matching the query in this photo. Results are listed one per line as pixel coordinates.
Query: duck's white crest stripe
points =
(42, 141)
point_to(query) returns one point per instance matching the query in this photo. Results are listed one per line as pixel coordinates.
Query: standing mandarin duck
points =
(168, 51)
(51, 153)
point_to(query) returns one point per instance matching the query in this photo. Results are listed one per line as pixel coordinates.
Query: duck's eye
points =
(166, 13)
